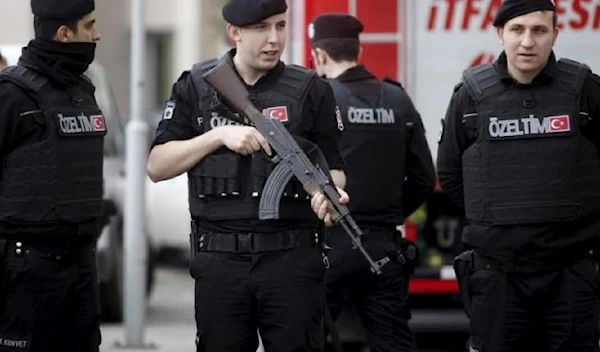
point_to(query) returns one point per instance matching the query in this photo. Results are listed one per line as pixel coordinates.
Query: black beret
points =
(246, 12)
(334, 25)
(515, 8)
(62, 9)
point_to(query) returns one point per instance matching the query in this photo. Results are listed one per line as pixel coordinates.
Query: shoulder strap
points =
(24, 78)
(27, 79)
(391, 88)
(482, 82)
(198, 70)
(571, 75)
(296, 81)
(204, 91)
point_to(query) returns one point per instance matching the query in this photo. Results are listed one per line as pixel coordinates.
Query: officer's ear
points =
(313, 59)
(64, 34)
(500, 32)
(555, 32)
(360, 51)
(233, 32)
(320, 56)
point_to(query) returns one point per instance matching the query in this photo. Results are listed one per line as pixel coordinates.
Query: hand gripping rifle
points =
(290, 160)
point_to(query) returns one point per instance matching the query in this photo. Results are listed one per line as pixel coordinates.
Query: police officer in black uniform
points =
(390, 174)
(51, 144)
(519, 151)
(250, 274)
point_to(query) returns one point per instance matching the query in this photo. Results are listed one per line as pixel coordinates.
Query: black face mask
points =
(63, 63)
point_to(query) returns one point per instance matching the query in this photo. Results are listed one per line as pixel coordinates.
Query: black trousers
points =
(48, 299)
(380, 300)
(279, 293)
(551, 311)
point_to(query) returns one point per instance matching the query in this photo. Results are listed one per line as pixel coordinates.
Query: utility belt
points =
(57, 253)
(479, 262)
(51, 233)
(250, 242)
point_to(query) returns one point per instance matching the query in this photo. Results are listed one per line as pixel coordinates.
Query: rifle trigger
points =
(274, 159)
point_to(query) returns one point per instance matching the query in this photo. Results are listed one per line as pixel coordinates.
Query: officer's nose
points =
(273, 37)
(527, 40)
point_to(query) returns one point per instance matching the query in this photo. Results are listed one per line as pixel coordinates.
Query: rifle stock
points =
(224, 80)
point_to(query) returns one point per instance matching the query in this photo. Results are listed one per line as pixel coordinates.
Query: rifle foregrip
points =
(340, 210)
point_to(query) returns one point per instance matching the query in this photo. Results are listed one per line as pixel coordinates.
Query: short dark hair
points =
(340, 49)
(46, 29)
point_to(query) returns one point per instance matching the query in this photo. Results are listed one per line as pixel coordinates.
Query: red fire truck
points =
(426, 44)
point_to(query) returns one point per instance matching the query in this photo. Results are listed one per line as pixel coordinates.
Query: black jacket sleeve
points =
(420, 171)
(19, 115)
(181, 113)
(9, 112)
(324, 128)
(453, 142)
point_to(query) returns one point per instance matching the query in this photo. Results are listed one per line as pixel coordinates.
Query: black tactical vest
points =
(226, 185)
(373, 146)
(60, 178)
(530, 163)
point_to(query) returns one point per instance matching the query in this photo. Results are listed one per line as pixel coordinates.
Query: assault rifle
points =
(290, 159)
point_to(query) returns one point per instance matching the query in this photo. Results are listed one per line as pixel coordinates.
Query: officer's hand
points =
(244, 140)
(322, 207)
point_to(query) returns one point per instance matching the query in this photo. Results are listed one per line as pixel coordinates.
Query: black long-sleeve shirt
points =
(535, 245)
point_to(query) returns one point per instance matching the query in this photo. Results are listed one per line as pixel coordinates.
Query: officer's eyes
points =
(89, 25)
(264, 26)
(537, 30)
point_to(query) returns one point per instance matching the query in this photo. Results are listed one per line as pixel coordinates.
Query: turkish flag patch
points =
(98, 122)
(277, 112)
(559, 123)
